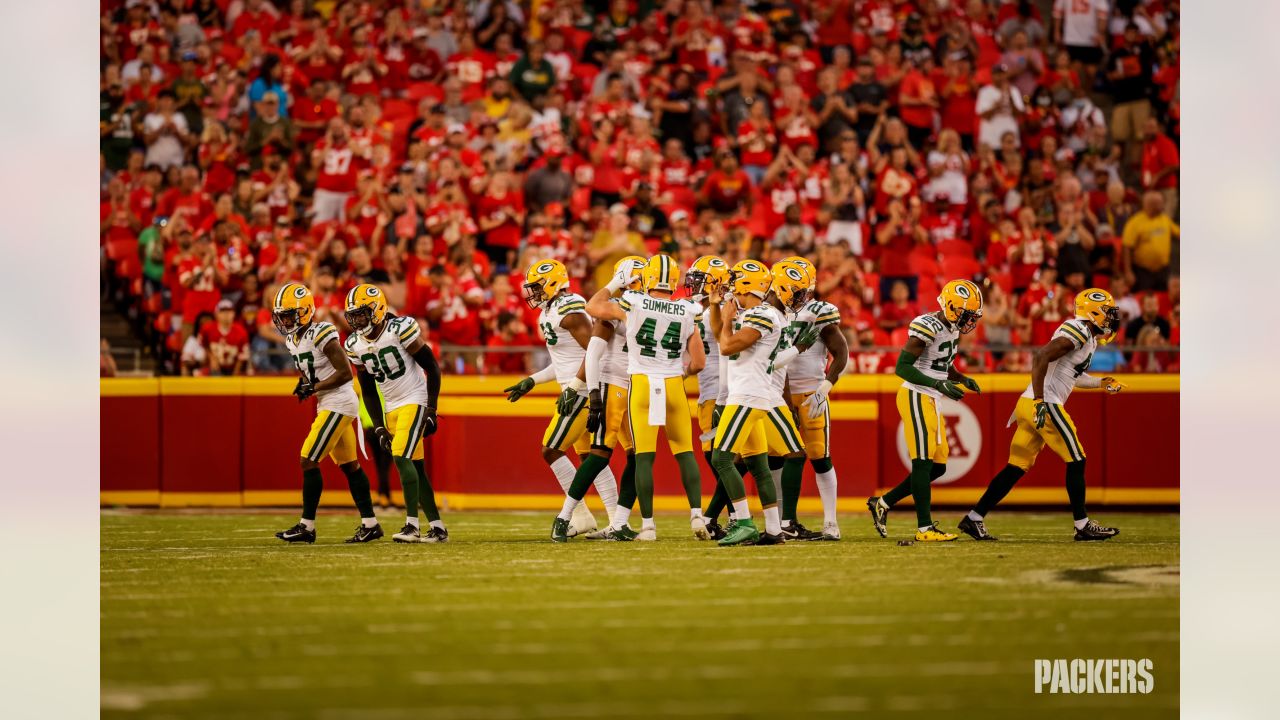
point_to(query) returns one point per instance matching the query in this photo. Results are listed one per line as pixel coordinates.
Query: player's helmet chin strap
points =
(278, 318)
(534, 295)
(967, 321)
(355, 317)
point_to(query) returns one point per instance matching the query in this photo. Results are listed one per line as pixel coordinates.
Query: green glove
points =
(568, 398)
(517, 391)
(970, 383)
(1042, 413)
(950, 389)
(807, 338)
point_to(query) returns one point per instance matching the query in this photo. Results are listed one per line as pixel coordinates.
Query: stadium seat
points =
(419, 90)
(948, 248)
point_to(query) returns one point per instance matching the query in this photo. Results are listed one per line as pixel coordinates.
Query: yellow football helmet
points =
(366, 308)
(808, 267)
(750, 277)
(293, 309)
(544, 281)
(661, 273)
(1098, 307)
(706, 270)
(791, 284)
(961, 303)
(637, 264)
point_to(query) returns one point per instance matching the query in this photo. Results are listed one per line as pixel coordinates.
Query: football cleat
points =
(365, 534)
(714, 530)
(560, 530)
(740, 532)
(622, 534)
(830, 531)
(436, 535)
(408, 534)
(796, 531)
(699, 525)
(770, 539)
(879, 515)
(297, 533)
(601, 534)
(975, 529)
(1094, 531)
(582, 521)
(646, 535)
(933, 534)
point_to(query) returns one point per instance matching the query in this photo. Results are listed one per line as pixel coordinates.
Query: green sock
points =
(920, 490)
(312, 486)
(426, 493)
(792, 475)
(759, 467)
(644, 482)
(409, 482)
(1000, 486)
(730, 478)
(586, 474)
(903, 488)
(718, 500)
(1075, 489)
(627, 483)
(358, 484)
(690, 478)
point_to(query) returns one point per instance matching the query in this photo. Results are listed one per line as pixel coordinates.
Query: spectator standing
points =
(613, 242)
(1148, 245)
(166, 133)
(226, 342)
(1150, 319)
(1160, 165)
(336, 178)
(269, 127)
(1129, 81)
(897, 237)
(999, 107)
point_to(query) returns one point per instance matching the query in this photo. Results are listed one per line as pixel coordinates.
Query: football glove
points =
(303, 389)
(716, 412)
(950, 389)
(1112, 385)
(384, 438)
(595, 411)
(817, 402)
(1042, 413)
(517, 391)
(807, 338)
(430, 425)
(569, 397)
(970, 383)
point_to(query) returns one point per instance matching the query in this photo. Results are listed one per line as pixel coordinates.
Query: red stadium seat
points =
(958, 266)
(419, 90)
(948, 248)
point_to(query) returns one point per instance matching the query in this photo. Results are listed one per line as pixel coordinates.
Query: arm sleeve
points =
(785, 357)
(427, 360)
(546, 374)
(907, 370)
(596, 348)
(1088, 381)
(372, 401)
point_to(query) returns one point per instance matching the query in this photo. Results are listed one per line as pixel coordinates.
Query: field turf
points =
(208, 615)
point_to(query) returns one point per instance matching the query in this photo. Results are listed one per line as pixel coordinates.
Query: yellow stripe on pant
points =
(1059, 433)
(679, 424)
(331, 434)
(925, 429)
(405, 441)
(751, 431)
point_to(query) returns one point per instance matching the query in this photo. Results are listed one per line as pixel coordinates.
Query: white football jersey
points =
(941, 342)
(613, 366)
(808, 370)
(658, 330)
(709, 377)
(566, 354)
(387, 359)
(307, 349)
(1060, 378)
(750, 375)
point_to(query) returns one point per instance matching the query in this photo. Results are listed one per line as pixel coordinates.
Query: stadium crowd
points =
(436, 148)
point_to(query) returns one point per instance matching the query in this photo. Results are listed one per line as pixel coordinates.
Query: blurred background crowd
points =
(437, 148)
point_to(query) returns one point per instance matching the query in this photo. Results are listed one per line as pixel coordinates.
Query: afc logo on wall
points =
(964, 438)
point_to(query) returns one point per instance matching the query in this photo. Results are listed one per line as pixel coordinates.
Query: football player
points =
(925, 366)
(659, 331)
(751, 340)
(390, 356)
(809, 380)
(567, 329)
(1041, 414)
(705, 272)
(317, 353)
(608, 382)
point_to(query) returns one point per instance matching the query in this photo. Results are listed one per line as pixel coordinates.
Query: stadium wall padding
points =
(234, 442)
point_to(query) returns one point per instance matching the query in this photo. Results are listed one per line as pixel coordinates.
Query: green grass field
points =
(211, 616)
